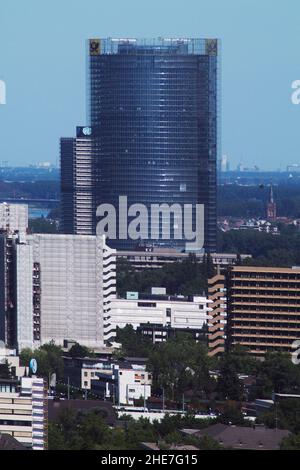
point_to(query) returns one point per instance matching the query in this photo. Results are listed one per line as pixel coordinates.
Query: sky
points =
(43, 63)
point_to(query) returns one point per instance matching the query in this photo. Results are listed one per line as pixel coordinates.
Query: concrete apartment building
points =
(263, 308)
(218, 316)
(23, 411)
(72, 287)
(13, 220)
(78, 208)
(58, 287)
(175, 312)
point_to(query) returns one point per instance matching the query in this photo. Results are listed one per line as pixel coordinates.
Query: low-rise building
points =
(119, 381)
(158, 333)
(124, 383)
(174, 312)
(149, 257)
(241, 437)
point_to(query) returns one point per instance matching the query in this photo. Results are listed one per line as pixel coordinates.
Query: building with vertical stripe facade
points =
(60, 289)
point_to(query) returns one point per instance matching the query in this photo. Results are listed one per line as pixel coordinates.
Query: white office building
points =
(176, 312)
(133, 383)
(123, 383)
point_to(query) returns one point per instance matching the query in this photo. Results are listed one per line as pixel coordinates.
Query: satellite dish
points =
(33, 366)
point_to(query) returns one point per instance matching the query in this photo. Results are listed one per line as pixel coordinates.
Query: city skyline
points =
(149, 228)
(258, 71)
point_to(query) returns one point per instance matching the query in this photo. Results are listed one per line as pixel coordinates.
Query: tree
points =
(174, 437)
(77, 350)
(79, 431)
(139, 431)
(88, 431)
(285, 414)
(266, 249)
(210, 270)
(291, 442)
(5, 372)
(49, 359)
(64, 434)
(93, 431)
(54, 358)
(188, 277)
(207, 443)
(180, 364)
(278, 374)
(232, 415)
(56, 439)
(133, 343)
(229, 385)
(170, 423)
(242, 361)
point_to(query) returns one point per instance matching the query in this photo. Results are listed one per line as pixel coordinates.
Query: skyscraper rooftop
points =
(143, 45)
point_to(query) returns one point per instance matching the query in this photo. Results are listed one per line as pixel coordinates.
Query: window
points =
(5, 400)
(147, 304)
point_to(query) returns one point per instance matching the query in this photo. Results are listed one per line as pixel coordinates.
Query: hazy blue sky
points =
(42, 60)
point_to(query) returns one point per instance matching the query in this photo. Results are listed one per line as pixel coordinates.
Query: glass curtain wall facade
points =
(153, 115)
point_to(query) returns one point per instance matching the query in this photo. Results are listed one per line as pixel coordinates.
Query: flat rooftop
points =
(266, 269)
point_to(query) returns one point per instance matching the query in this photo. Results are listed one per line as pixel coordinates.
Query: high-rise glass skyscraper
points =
(153, 133)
